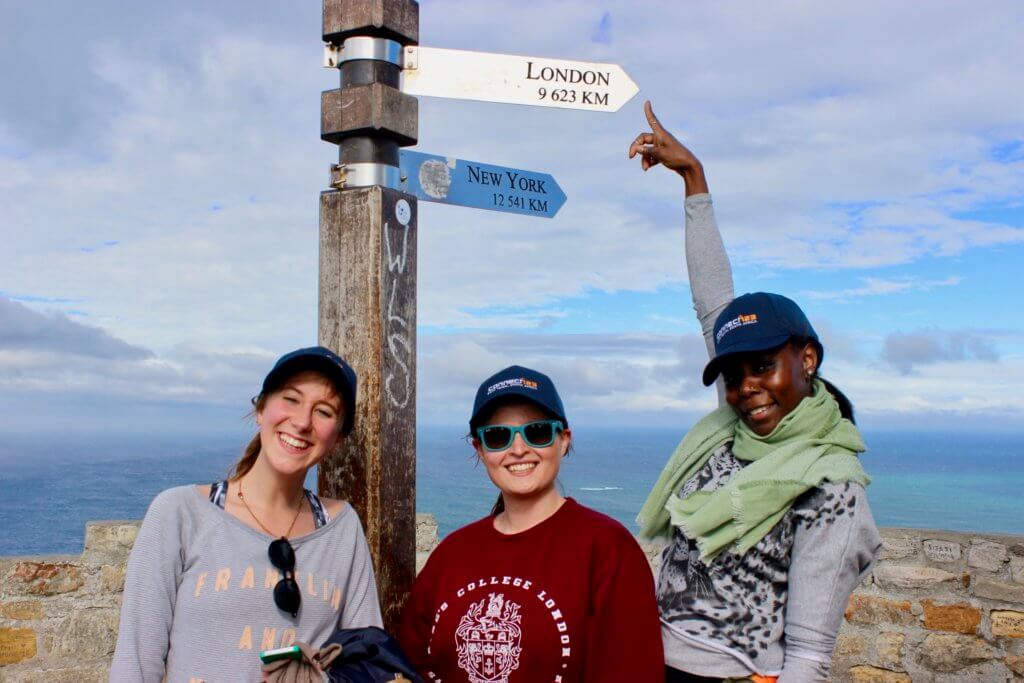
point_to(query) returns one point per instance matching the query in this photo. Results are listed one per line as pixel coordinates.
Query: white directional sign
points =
(542, 82)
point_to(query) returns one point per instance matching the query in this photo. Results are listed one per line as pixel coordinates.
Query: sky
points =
(160, 166)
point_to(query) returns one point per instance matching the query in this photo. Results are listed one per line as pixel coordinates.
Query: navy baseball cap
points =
(516, 380)
(757, 322)
(324, 361)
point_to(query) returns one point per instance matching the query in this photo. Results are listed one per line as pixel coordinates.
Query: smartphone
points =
(268, 656)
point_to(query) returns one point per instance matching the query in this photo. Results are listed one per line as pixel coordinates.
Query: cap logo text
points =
(738, 321)
(515, 382)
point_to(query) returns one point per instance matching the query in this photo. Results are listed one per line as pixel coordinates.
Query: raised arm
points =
(707, 264)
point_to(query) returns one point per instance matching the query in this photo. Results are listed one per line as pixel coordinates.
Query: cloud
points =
(907, 351)
(49, 354)
(841, 160)
(875, 286)
(944, 395)
(166, 190)
(22, 329)
(637, 378)
(47, 107)
(106, 244)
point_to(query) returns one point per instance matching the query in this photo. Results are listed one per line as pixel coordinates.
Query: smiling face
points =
(300, 423)
(765, 386)
(521, 470)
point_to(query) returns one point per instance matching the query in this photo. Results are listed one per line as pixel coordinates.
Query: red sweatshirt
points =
(567, 601)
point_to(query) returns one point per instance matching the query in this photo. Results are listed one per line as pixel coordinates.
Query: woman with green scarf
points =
(764, 500)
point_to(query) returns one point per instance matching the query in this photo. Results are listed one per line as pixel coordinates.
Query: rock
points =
(900, 576)
(24, 610)
(1016, 664)
(17, 645)
(941, 551)
(1017, 569)
(889, 648)
(849, 645)
(986, 555)
(87, 634)
(994, 590)
(112, 578)
(426, 533)
(870, 674)
(868, 609)
(43, 578)
(421, 559)
(898, 547)
(1007, 623)
(74, 675)
(109, 542)
(959, 618)
(945, 652)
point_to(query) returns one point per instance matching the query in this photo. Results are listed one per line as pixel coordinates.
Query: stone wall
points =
(59, 614)
(939, 606)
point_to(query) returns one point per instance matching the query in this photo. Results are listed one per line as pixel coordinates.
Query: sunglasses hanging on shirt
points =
(287, 595)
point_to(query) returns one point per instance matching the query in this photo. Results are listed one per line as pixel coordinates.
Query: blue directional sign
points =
(446, 180)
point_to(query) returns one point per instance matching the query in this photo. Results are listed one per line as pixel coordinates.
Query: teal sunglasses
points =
(537, 434)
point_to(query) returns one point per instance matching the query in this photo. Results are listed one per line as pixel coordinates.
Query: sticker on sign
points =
(446, 180)
(514, 79)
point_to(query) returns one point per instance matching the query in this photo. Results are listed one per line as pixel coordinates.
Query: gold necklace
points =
(267, 531)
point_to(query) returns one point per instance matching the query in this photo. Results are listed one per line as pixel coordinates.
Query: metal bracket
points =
(362, 47)
(410, 58)
(365, 174)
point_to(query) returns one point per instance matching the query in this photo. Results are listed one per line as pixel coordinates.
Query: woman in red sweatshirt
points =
(543, 589)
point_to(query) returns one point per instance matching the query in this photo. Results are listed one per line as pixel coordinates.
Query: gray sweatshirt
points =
(198, 596)
(776, 609)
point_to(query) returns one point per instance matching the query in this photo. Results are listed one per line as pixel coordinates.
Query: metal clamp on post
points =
(410, 58)
(363, 47)
(365, 175)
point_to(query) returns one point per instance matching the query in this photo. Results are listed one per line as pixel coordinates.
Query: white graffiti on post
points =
(397, 327)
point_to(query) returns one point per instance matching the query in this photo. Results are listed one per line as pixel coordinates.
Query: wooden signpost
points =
(368, 226)
(368, 287)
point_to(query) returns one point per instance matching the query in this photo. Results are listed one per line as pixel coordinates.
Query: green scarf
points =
(813, 443)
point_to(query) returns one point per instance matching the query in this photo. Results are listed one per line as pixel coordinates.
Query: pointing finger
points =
(651, 118)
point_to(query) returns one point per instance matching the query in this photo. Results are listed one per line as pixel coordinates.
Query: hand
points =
(661, 147)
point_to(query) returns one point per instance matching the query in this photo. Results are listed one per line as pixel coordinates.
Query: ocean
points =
(49, 488)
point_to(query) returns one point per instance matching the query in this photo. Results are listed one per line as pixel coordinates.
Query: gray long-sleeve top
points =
(198, 596)
(777, 609)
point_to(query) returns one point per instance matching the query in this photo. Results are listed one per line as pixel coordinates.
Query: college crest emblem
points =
(487, 641)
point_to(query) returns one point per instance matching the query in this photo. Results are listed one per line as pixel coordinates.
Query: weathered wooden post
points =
(368, 279)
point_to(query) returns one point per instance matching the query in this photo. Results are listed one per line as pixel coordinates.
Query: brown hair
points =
(252, 451)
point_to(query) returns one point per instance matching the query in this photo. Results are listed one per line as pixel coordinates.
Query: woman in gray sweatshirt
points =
(222, 571)
(764, 500)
